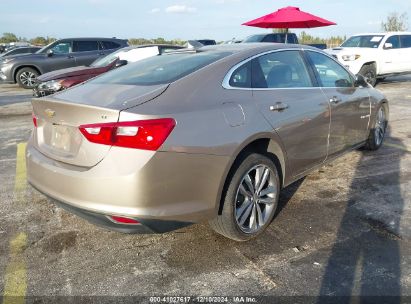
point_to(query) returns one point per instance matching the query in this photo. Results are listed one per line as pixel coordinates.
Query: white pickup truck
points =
(376, 55)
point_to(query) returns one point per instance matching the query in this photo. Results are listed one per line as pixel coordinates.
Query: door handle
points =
(335, 99)
(278, 107)
(70, 56)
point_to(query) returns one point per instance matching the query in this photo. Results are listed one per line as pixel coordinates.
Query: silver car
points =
(209, 134)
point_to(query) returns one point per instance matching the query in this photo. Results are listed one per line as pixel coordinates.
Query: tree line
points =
(393, 22)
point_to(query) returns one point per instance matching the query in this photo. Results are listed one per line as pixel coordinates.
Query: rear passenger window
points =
(85, 46)
(109, 45)
(241, 77)
(284, 69)
(332, 74)
(406, 41)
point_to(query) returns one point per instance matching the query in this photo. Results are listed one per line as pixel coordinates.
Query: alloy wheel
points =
(255, 199)
(28, 78)
(380, 126)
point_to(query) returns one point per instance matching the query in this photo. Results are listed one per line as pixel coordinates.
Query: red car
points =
(52, 82)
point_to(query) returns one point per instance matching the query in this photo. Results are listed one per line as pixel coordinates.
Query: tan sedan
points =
(209, 134)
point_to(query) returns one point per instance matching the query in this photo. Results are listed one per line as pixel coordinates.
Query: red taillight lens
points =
(123, 220)
(140, 134)
(34, 120)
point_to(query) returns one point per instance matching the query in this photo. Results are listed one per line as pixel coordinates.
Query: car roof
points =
(154, 44)
(92, 38)
(382, 34)
(257, 46)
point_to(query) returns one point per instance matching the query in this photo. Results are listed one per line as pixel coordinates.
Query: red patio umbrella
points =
(289, 17)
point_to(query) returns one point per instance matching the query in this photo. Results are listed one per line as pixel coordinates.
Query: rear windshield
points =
(160, 69)
(255, 38)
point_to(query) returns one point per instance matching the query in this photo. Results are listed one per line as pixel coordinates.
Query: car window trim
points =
(226, 81)
(335, 60)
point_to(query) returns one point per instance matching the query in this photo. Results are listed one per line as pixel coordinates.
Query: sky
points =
(183, 19)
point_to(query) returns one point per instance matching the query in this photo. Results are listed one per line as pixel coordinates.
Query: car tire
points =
(377, 132)
(369, 71)
(249, 206)
(26, 77)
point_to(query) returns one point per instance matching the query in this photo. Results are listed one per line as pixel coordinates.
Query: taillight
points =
(140, 134)
(34, 120)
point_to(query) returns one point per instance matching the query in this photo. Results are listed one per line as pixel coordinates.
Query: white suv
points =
(376, 56)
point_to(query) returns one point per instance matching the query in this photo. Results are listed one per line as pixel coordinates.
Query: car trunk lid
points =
(112, 96)
(57, 134)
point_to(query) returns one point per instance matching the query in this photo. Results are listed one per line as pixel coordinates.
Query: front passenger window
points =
(331, 73)
(61, 48)
(395, 41)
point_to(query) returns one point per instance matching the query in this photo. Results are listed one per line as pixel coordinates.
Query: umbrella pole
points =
(286, 36)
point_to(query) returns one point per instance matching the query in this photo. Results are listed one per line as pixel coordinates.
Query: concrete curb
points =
(21, 108)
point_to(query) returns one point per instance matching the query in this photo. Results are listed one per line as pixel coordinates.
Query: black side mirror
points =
(50, 52)
(120, 63)
(360, 81)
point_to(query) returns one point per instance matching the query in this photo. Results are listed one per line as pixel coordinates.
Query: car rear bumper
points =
(150, 186)
(102, 220)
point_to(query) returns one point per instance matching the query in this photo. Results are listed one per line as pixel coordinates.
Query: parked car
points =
(208, 134)
(273, 37)
(20, 51)
(376, 55)
(207, 41)
(60, 54)
(59, 80)
(280, 38)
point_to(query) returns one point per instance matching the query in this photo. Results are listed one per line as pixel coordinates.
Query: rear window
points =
(109, 45)
(85, 46)
(160, 69)
(406, 41)
(255, 38)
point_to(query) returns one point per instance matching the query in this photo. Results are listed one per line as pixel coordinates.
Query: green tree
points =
(280, 30)
(395, 22)
(39, 41)
(139, 41)
(8, 37)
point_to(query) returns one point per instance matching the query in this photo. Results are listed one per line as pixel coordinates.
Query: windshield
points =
(43, 49)
(160, 69)
(254, 38)
(369, 41)
(106, 60)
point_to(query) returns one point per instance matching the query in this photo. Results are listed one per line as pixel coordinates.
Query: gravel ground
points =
(343, 230)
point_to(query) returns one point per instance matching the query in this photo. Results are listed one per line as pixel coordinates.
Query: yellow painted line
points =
(15, 281)
(20, 181)
(397, 147)
(15, 285)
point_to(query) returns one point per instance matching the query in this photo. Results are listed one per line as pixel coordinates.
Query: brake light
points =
(140, 134)
(34, 120)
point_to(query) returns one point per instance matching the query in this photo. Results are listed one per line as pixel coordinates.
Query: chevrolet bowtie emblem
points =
(49, 113)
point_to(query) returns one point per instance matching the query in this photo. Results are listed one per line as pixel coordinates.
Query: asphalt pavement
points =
(343, 230)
